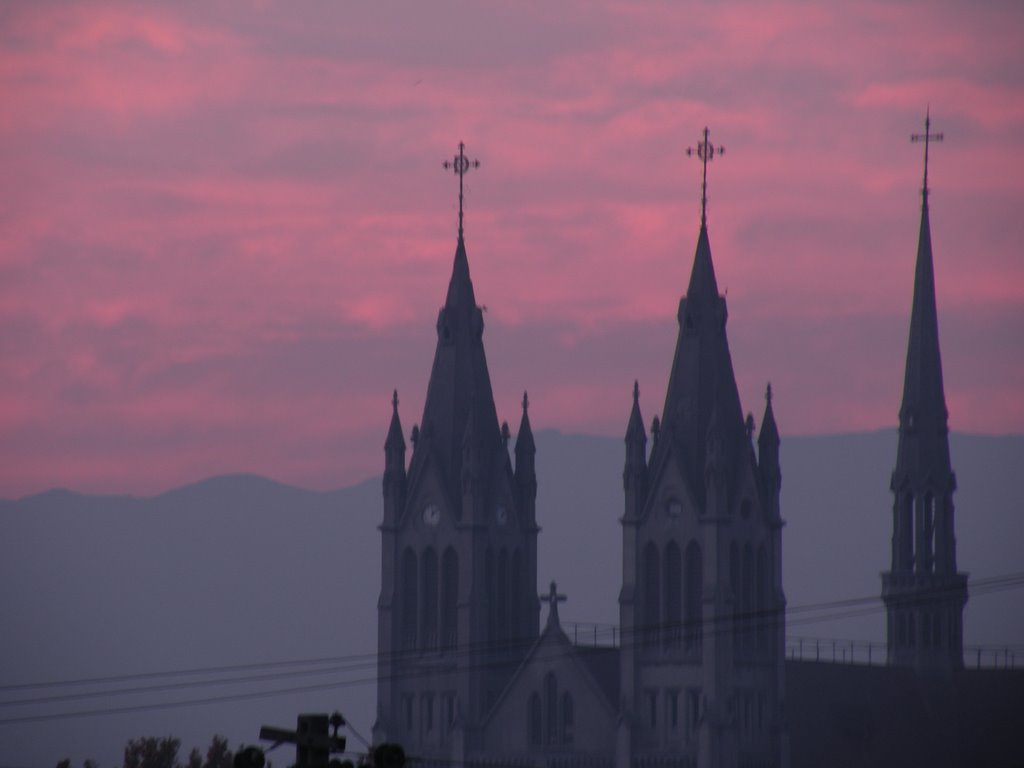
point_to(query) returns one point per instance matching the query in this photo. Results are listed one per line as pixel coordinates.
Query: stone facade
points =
(464, 673)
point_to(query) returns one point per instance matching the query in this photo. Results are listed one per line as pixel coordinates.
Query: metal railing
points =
(842, 651)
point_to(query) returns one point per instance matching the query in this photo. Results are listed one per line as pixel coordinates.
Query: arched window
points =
(428, 619)
(734, 586)
(516, 631)
(407, 599)
(901, 629)
(673, 634)
(651, 611)
(449, 598)
(489, 596)
(906, 532)
(502, 594)
(693, 598)
(568, 718)
(761, 618)
(534, 719)
(550, 708)
(747, 601)
(929, 532)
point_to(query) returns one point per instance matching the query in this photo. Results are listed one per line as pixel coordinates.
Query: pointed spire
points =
(524, 440)
(703, 287)
(923, 444)
(636, 435)
(395, 440)
(634, 473)
(702, 380)
(769, 436)
(394, 454)
(459, 387)
(526, 450)
(460, 288)
(768, 465)
(923, 585)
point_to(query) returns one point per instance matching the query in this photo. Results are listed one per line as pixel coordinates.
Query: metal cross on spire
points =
(460, 164)
(706, 151)
(927, 137)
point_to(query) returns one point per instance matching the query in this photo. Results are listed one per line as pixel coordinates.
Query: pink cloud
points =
(216, 232)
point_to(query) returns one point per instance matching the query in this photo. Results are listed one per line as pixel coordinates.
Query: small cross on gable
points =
(553, 599)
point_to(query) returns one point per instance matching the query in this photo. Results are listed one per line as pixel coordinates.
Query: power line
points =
(749, 622)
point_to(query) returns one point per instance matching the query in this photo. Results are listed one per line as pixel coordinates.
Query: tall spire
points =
(459, 383)
(923, 444)
(701, 381)
(924, 594)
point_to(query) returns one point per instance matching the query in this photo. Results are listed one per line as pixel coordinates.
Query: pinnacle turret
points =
(526, 473)
(394, 452)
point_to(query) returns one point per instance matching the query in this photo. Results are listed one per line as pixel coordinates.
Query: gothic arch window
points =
(502, 594)
(568, 718)
(929, 531)
(516, 596)
(734, 585)
(906, 529)
(428, 616)
(492, 608)
(651, 613)
(693, 598)
(761, 604)
(449, 598)
(673, 596)
(747, 571)
(407, 598)
(550, 708)
(534, 719)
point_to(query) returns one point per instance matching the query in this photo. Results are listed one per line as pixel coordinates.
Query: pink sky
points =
(225, 231)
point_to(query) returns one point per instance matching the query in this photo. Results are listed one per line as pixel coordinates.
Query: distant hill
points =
(242, 569)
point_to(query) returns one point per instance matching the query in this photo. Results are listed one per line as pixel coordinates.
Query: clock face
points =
(501, 514)
(674, 508)
(431, 514)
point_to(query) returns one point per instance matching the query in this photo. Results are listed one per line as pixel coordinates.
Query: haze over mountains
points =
(241, 569)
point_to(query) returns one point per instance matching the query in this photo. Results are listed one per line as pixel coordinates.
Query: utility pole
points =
(313, 744)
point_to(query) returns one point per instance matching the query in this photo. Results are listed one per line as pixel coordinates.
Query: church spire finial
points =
(394, 401)
(460, 165)
(927, 137)
(706, 151)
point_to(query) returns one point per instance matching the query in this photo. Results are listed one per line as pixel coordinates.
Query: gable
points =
(554, 665)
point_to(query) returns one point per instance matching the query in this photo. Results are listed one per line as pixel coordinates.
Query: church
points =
(468, 674)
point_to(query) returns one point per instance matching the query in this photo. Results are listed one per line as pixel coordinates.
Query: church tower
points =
(458, 607)
(924, 594)
(701, 606)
